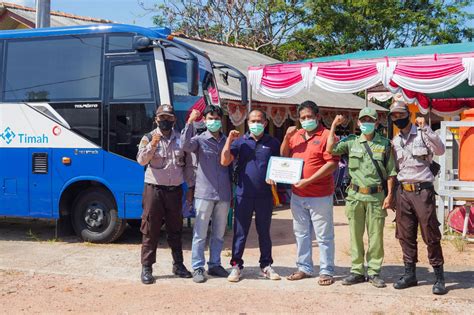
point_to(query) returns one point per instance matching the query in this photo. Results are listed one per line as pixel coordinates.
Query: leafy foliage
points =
(339, 27)
(255, 23)
(291, 30)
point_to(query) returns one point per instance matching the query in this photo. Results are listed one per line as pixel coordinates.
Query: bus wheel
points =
(95, 217)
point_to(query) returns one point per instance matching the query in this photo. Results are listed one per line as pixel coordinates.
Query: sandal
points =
(325, 280)
(298, 275)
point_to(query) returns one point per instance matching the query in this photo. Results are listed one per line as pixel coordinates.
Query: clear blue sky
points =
(121, 11)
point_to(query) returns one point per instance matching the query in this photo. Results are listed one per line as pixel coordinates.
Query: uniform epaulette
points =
(349, 138)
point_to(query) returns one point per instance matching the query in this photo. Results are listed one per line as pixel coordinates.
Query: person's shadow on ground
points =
(390, 273)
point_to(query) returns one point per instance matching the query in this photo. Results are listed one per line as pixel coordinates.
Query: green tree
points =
(262, 25)
(294, 29)
(338, 27)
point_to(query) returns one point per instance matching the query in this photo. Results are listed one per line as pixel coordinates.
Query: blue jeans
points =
(215, 211)
(313, 214)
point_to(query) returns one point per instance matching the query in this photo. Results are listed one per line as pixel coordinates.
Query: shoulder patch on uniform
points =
(143, 142)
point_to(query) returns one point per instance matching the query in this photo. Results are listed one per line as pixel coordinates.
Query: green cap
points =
(367, 111)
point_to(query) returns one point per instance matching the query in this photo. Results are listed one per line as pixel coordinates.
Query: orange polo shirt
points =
(313, 152)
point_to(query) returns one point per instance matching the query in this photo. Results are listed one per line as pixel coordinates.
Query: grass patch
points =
(33, 236)
(53, 240)
(457, 241)
(10, 272)
(392, 226)
(459, 244)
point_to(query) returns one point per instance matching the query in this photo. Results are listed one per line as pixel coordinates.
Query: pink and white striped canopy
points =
(413, 77)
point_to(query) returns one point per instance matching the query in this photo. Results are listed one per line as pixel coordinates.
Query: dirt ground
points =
(39, 274)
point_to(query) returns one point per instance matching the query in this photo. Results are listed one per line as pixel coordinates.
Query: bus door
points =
(131, 97)
(39, 182)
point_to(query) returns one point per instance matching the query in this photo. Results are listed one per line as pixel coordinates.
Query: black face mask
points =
(402, 123)
(165, 125)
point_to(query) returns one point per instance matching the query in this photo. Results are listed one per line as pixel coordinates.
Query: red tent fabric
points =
(413, 76)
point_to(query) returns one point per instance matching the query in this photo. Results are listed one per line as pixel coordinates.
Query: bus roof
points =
(158, 32)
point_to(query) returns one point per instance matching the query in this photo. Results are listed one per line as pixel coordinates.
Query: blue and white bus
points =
(75, 102)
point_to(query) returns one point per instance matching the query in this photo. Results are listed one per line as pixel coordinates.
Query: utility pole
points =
(43, 13)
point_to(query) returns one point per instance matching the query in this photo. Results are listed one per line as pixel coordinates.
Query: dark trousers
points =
(159, 204)
(415, 208)
(244, 209)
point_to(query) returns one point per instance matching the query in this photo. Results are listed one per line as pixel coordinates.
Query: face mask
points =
(402, 123)
(165, 125)
(309, 125)
(213, 125)
(256, 129)
(367, 128)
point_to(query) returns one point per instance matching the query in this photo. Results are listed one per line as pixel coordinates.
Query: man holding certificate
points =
(252, 153)
(311, 200)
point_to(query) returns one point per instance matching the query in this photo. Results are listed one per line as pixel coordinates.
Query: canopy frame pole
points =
(429, 112)
(249, 107)
(366, 98)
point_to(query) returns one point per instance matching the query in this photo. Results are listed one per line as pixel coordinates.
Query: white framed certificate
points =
(284, 170)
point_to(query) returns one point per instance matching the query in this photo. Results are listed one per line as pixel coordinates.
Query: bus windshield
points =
(176, 68)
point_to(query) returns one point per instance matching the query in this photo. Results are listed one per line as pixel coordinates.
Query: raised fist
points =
(155, 139)
(420, 122)
(195, 114)
(291, 131)
(338, 120)
(233, 134)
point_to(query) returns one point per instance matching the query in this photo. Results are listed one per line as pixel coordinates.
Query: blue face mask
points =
(213, 125)
(256, 129)
(309, 125)
(367, 128)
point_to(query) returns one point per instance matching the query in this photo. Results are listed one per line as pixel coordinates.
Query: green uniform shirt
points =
(361, 167)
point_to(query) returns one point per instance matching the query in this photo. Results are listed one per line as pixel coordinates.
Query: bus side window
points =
(53, 69)
(132, 105)
(120, 43)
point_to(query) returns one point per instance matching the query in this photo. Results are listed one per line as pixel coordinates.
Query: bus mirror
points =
(192, 72)
(141, 42)
(237, 75)
(243, 90)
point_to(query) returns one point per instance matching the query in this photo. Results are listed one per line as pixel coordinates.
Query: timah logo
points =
(8, 135)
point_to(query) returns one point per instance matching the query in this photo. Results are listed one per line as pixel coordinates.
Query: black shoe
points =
(408, 279)
(198, 275)
(439, 287)
(376, 281)
(218, 271)
(353, 278)
(147, 275)
(180, 270)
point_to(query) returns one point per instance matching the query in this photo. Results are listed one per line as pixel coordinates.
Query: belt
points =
(416, 186)
(163, 187)
(366, 190)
